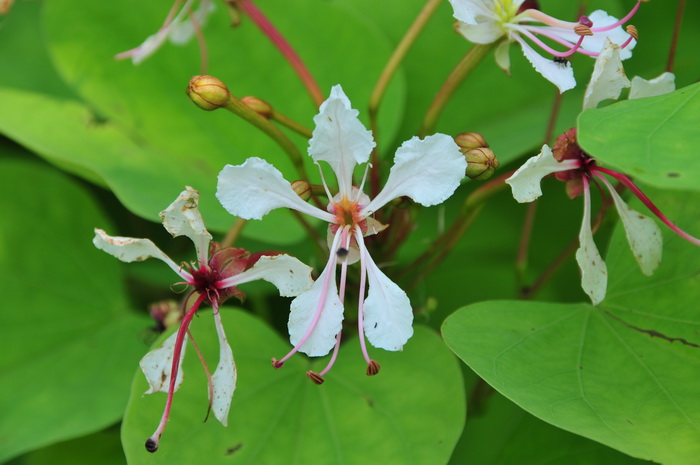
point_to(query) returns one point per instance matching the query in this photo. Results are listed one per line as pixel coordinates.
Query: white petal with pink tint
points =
(428, 171)
(224, 377)
(290, 275)
(254, 188)
(340, 139)
(157, 365)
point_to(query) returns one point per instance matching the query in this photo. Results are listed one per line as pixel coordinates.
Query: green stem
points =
(234, 232)
(291, 124)
(473, 57)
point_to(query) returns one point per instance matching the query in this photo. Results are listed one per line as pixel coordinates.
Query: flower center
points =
(505, 10)
(205, 279)
(347, 212)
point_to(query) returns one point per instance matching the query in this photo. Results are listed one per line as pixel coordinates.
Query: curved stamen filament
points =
(628, 183)
(210, 384)
(571, 48)
(618, 23)
(152, 442)
(323, 181)
(344, 243)
(537, 15)
(361, 299)
(327, 280)
(362, 184)
(333, 356)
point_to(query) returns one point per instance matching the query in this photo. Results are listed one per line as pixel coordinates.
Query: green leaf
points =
(279, 416)
(68, 341)
(621, 373)
(653, 139)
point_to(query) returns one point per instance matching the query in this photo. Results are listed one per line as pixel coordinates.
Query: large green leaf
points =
(622, 373)
(653, 139)
(68, 340)
(411, 412)
(101, 448)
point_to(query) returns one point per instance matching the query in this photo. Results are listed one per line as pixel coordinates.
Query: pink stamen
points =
(628, 183)
(361, 300)
(345, 243)
(333, 356)
(627, 42)
(571, 48)
(537, 15)
(618, 23)
(362, 184)
(152, 442)
(330, 274)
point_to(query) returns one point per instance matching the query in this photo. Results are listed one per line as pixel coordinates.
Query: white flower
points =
(487, 21)
(426, 170)
(213, 278)
(179, 28)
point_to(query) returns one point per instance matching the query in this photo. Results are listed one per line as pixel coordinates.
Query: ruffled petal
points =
(594, 273)
(478, 21)
(130, 249)
(388, 316)
(428, 171)
(559, 74)
(663, 84)
(182, 218)
(643, 234)
(525, 182)
(182, 32)
(224, 377)
(608, 78)
(254, 188)
(290, 275)
(340, 139)
(303, 311)
(157, 364)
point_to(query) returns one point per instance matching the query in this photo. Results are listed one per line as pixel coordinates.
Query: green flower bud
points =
(481, 163)
(302, 189)
(208, 92)
(259, 106)
(470, 140)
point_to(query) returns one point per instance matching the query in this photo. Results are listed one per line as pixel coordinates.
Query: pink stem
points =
(283, 46)
(619, 23)
(627, 182)
(361, 300)
(333, 357)
(572, 48)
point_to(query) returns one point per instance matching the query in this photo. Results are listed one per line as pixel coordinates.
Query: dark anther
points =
(315, 377)
(373, 368)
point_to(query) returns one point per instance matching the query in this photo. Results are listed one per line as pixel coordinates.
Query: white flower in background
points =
(179, 27)
(213, 277)
(488, 21)
(428, 171)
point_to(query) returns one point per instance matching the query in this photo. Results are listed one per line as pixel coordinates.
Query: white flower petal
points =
(388, 316)
(182, 218)
(254, 188)
(525, 182)
(224, 377)
(157, 364)
(340, 139)
(130, 249)
(478, 20)
(663, 84)
(502, 56)
(594, 273)
(303, 310)
(643, 234)
(428, 171)
(559, 74)
(183, 31)
(485, 32)
(608, 78)
(290, 275)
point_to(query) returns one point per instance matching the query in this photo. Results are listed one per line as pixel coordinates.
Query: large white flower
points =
(428, 171)
(487, 21)
(213, 279)
(179, 27)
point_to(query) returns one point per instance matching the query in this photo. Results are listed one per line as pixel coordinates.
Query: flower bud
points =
(5, 6)
(259, 106)
(208, 92)
(302, 189)
(470, 140)
(481, 163)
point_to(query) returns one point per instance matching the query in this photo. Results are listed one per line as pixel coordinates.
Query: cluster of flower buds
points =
(481, 161)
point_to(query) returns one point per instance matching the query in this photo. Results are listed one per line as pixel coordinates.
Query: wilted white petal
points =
(254, 188)
(594, 273)
(340, 139)
(290, 275)
(643, 234)
(608, 78)
(388, 316)
(303, 309)
(502, 56)
(157, 364)
(559, 74)
(183, 31)
(182, 218)
(130, 249)
(224, 377)
(525, 182)
(428, 171)
(663, 84)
